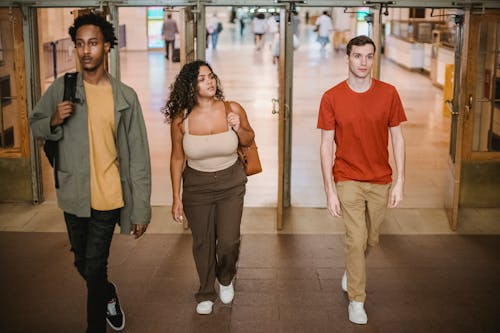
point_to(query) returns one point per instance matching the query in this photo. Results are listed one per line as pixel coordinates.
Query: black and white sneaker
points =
(114, 313)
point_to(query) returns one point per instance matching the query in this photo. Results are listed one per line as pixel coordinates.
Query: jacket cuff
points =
(54, 134)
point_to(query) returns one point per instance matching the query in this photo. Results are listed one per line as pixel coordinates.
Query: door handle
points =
(275, 102)
(276, 109)
(468, 107)
(449, 107)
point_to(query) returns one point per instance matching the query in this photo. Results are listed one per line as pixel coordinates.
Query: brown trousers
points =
(213, 204)
(363, 210)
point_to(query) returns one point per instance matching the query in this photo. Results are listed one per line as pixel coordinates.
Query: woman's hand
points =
(233, 120)
(238, 120)
(177, 211)
(177, 158)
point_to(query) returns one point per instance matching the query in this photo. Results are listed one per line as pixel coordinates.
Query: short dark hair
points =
(359, 41)
(93, 19)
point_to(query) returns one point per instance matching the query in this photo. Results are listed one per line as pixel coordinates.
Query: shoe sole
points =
(123, 314)
(203, 313)
(358, 322)
(117, 328)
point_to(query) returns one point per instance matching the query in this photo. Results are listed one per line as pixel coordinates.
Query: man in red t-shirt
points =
(355, 118)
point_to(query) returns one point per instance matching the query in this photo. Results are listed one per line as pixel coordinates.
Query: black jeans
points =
(90, 239)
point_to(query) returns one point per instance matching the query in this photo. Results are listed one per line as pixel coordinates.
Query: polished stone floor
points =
(285, 283)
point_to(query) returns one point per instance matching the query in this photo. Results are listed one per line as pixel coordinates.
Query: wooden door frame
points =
(19, 80)
(187, 33)
(455, 162)
(466, 81)
(468, 154)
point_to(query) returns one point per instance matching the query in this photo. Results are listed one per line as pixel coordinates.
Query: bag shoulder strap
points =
(227, 106)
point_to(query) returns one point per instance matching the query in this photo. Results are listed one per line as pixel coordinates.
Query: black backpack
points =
(51, 148)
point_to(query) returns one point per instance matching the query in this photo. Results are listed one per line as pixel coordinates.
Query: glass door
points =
(475, 127)
(485, 112)
(14, 128)
(457, 124)
(155, 21)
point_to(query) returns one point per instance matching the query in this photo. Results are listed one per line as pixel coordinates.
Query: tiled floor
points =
(47, 217)
(422, 278)
(285, 283)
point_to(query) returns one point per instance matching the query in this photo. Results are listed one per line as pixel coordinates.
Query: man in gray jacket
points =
(103, 169)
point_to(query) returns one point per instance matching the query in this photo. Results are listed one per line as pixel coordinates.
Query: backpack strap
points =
(70, 87)
(51, 148)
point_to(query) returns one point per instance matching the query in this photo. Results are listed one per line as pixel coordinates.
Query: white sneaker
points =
(226, 293)
(357, 313)
(204, 307)
(343, 283)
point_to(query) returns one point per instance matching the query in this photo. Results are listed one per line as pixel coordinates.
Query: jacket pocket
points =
(67, 188)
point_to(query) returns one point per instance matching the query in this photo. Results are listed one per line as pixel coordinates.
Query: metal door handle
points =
(468, 107)
(275, 102)
(449, 107)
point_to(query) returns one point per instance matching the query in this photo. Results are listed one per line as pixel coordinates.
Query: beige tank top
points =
(212, 152)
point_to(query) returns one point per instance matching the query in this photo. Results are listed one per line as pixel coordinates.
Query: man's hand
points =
(64, 110)
(333, 205)
(396, 195)
(138, 230)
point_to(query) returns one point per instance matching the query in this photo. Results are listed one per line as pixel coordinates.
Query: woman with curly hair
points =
(205, 132)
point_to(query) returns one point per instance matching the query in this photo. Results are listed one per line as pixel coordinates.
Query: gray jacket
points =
(73, 195)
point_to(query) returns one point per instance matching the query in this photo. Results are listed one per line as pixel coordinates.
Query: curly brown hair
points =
(183, 92)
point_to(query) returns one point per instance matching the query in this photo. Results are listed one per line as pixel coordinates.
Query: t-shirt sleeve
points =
(397, 111)
(326, 114)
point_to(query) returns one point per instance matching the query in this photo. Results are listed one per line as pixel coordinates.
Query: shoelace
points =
(112, 308)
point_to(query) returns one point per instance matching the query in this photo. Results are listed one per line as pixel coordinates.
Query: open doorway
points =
(248, 75)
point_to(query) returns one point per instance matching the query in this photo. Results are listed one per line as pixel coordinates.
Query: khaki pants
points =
(363, 209)
(213, 204)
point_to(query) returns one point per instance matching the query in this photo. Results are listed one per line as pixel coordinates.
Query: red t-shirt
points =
(361, 122)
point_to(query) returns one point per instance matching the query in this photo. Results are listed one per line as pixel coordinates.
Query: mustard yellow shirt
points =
(105, 185)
